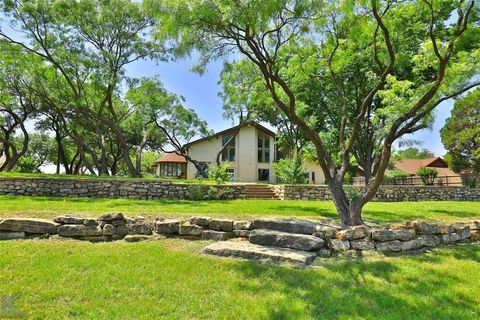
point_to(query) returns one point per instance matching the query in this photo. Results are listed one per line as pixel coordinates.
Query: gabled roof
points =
(220, 133)
(411, 166)
(172, 157)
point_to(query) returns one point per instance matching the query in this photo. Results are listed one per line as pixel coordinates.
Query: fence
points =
(453, 181)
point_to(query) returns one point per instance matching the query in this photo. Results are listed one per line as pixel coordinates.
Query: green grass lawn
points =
(374, 211)
(169, 279)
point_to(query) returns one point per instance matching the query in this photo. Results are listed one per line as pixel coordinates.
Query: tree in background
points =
(291, 170)
(40, 149)
(405, 57)
(461, 135)
(85, 45)
(412, 153)
(163, 111)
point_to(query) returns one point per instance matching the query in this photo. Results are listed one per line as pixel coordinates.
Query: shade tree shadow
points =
(362, 288)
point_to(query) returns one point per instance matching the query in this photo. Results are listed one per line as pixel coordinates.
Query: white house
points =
(251, 153)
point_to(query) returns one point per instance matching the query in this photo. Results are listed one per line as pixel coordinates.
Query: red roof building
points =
(411, 166)
(171, 165)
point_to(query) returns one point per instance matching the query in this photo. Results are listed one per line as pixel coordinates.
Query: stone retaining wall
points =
(159, 189)
(116, 188)
(330, 237)
(384, 194)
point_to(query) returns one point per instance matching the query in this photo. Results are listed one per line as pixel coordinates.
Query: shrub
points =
(428, 175)
(205, 192)
(26, 165)
(219, 173)
(291, 170)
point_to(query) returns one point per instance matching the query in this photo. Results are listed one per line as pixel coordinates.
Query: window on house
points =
(263, 148)
(263, 175)
(231, 172)
(228, 153)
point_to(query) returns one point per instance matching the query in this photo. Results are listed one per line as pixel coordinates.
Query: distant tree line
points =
(63, 73)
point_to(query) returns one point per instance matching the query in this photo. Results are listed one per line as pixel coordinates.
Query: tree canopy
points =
(354, 76)
(64, 68)
(461, 134)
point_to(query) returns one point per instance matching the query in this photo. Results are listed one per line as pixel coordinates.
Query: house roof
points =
(172, 157)
(411, 166)
(220, 133)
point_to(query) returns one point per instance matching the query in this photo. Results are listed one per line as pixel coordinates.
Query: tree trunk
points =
(235, 133)
(350, 211)
(18, 155)
(138, 152)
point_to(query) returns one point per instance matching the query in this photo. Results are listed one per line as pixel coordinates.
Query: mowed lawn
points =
(170, 279)
(48, 207)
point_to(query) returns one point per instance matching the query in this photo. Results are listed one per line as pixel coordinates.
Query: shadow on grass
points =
(309, 211)
(389, 216)
(365, 289)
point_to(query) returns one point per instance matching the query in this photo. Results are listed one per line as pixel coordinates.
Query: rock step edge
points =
(251, 251)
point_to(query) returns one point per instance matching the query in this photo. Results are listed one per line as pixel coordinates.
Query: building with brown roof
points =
(251, 153)
(171, 165)
(411, 166)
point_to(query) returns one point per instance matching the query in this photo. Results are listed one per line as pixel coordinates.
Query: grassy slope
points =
(374, 211)
(170, 280)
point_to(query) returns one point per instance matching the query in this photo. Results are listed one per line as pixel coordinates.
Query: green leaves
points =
(461, 134)
(291, 170)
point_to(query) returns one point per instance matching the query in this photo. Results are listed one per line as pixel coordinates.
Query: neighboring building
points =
(171, 165)
(411, 166)
(252, 154)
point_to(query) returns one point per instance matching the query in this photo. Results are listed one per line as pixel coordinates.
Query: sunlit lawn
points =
(374, 211)
(169, 279)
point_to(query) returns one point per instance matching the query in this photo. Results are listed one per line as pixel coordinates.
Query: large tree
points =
(461, 134)
(86, 44)
(405, 56)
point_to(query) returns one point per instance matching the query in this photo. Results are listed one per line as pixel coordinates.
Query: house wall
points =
(315, 167)
(204, 151)
(245, 165)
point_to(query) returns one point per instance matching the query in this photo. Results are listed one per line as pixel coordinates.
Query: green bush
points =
(291, 170)
(428, 175)
(25, 165)
(205, 192)
(219, 173)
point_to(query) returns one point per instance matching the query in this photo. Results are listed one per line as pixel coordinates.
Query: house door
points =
(313, 177)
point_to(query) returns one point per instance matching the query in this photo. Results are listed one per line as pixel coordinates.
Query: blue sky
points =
(201, 94)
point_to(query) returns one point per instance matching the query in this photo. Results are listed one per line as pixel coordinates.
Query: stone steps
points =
(285, 240)
(259, 192)
(247, 250)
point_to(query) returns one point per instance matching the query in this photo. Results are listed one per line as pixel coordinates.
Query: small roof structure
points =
(171, 157)
(411, 166)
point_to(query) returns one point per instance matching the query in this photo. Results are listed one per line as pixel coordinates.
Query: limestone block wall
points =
(115, 188)
(331, 238)
(160, 189)
(384, 194)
